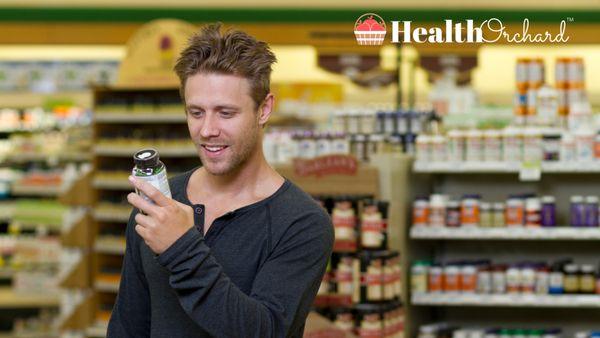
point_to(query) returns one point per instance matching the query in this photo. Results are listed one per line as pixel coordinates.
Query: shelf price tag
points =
(530, 171)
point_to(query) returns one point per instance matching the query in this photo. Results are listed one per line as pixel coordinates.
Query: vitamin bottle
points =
(149, 167)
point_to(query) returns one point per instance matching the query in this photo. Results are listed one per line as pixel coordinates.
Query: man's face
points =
(222, 121)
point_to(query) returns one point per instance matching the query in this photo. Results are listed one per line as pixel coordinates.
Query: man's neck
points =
(235, 182)
(255, 178)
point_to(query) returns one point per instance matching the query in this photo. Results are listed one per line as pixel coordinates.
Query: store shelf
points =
(140, 117)
(96, 331)
(29, 335)
(50, 226)
(112, 213)
(32, 99)
(502, 167)
(112, 183)
(118, 150)
(7, 210)
(43, 191)
(9, 299)
(39, 157)
(365, 182)
(112, 245)
(558, 233)
(6, 273)
(517, 300)
(107, 283)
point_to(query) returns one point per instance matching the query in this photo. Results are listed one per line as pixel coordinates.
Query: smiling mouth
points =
(213, 149)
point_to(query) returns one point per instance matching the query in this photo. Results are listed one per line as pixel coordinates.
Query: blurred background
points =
(456, 127)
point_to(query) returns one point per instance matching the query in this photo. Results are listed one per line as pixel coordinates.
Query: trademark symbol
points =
(570, 19)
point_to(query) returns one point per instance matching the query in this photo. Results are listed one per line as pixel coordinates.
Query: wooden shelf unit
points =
(122, 117)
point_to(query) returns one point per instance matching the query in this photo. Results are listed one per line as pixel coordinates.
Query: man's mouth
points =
(213, 148)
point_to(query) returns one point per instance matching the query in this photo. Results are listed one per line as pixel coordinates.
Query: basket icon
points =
(369, 30)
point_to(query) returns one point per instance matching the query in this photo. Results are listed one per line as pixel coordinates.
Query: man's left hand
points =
(164, 221)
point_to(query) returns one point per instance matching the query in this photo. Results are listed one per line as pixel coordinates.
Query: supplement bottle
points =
(149, 168)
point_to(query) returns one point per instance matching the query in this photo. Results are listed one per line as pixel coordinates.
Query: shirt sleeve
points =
(283, 290)
(131, 313)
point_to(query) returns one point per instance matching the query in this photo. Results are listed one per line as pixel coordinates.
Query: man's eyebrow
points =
(218, 107)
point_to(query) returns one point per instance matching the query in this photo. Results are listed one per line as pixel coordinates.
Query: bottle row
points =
(49, 76)
(385, 320)
(359, 222)
(445, 330)
(535, 96)
(151, 102)
(512, 144)
(370, 276)
(382, 122)
(281, 146)
(40, 325)
(517, 211)
(40, 119)
(44, 147)
(483, 277)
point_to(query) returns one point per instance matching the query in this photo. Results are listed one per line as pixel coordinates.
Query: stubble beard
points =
(237, 159)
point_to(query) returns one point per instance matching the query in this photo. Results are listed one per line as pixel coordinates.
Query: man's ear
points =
(265, 109)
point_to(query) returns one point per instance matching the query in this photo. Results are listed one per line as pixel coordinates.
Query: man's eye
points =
(196, 113)
(227, 114)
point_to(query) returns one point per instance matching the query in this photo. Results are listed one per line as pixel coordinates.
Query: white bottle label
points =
(159, 181)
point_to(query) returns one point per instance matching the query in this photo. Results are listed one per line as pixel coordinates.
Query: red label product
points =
(343, 218)
(374, 225)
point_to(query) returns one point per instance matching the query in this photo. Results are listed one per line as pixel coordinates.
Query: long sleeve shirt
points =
(254, 274)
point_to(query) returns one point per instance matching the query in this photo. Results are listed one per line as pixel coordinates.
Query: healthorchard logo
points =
(369, 30)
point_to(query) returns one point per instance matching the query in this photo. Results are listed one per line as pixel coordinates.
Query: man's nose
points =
(210, 126)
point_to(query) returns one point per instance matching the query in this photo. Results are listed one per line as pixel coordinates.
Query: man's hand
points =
(164, 222)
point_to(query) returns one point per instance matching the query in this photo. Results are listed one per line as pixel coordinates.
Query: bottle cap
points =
(576, 199)
(548, 199)
(146, 158)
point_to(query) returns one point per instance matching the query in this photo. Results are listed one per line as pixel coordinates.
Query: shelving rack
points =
(76, 236)
(495, 181)
(125, 121)
(36, 219)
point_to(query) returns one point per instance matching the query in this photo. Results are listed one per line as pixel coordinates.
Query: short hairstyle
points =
(232, 52)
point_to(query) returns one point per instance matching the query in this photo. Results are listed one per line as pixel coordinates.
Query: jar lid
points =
(498, 206)
(146, 158)
(453, 204)
(474, 133)
(376, 137)
(591, 199)
(548, 199)
(423, 138)
(451, 268)
(469, 269)
(456, 133)
(438, 199)
(571, 268)
(492, 133)
(532, 203)
(576, 199)
(587, 268)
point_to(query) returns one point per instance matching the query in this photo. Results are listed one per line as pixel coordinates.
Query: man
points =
(239, 251)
